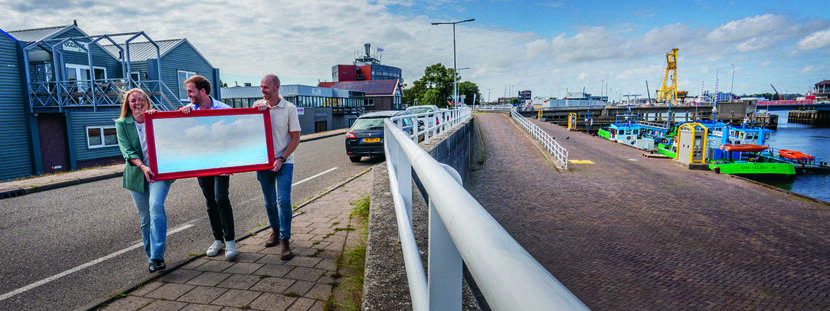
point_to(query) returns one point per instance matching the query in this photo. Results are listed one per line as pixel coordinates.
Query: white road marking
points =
(296, 183)
(84, 266)
(315, 176)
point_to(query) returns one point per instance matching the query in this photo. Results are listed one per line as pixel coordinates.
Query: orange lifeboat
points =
(795, 155)
(743, 148)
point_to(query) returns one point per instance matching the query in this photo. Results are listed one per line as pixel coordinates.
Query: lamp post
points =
(459, 77)
(455, 71)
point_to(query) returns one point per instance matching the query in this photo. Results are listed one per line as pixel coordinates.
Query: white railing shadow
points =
(461, 230)
(559, 153)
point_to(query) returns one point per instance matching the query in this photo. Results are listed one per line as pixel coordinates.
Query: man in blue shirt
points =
(214, 188)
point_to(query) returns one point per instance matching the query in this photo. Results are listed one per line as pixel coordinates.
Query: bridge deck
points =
(624, 232)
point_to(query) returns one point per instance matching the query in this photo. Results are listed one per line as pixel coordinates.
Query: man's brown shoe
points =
(273, 239)
(286, 253)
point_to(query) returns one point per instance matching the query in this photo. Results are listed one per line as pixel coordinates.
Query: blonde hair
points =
(125, 106)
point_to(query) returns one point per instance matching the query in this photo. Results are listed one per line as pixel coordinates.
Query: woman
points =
(148, 195)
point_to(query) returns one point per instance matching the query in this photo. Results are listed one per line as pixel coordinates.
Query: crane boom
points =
(668, 93)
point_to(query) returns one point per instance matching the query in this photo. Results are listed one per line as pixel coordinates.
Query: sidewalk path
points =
(624, 232)
(258, 279)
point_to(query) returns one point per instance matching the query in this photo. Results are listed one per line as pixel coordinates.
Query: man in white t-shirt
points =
(285, 131)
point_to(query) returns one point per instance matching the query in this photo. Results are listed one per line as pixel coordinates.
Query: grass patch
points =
(292, 295)
(348, 293)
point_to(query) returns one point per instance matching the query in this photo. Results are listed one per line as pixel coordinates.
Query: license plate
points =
(371, 140)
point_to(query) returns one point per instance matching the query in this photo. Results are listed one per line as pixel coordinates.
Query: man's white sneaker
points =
(230, 251)
(214, 248)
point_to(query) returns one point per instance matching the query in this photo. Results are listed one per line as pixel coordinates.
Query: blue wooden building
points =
(60, 92)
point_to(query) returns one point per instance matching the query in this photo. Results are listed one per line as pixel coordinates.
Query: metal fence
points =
(560, 154)
(461, 230)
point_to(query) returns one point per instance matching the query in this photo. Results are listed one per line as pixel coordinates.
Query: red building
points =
(381, 83)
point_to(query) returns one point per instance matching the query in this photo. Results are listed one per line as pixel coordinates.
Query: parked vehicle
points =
(365, 137)
(425, 109)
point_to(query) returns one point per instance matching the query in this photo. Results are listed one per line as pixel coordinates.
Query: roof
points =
(241, 92)
(370, 87)
(142, 51)
(825, 82)
(37, 34)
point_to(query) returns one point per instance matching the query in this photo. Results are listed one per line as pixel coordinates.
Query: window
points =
(370, 102)
(101, 136)
(135, 76)
(183, 76)
(79, 75)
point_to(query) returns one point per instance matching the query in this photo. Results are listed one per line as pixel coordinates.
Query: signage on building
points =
(72, 46)
(300, 110)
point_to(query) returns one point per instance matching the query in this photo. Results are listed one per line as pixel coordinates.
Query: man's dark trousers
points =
(220, 213)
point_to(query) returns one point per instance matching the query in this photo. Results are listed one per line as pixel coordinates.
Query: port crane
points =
(776, 91)
(668, 93)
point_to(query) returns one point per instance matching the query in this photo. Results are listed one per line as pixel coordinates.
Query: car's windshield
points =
(418, 110)
(368, 123)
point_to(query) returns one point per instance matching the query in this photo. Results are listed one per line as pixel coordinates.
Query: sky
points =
(216, 141)
(549, 47)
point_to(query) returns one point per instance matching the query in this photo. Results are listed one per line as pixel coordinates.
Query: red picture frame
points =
(152, 150)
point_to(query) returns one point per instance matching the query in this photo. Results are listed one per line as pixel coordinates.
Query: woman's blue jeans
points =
(278, 183)
(150, 207)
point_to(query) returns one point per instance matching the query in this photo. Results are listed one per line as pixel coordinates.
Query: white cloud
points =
(818, 39)
(749, 27)
(809, 68)
(300, 41)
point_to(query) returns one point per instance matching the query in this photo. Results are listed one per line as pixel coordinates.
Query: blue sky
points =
(545, 46)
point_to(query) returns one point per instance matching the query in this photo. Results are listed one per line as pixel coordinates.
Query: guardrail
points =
(560, 154)
(429, 124)
(461, 230)
(494, 108)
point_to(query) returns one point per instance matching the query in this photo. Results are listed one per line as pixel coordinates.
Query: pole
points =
(454, 70)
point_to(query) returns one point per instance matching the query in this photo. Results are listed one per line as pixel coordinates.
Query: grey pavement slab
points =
(258, 279)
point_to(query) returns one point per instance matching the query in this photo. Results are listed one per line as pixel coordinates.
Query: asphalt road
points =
(82, 243)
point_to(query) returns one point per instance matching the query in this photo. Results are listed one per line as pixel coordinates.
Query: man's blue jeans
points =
(278, 183)
(153, 218)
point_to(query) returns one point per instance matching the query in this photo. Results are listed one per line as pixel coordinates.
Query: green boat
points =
(744, 160)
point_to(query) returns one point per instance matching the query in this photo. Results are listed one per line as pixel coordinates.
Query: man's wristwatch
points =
(281, 158)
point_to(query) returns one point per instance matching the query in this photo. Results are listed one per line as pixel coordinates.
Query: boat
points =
(797, 156)
(745, 160)
(743, 148)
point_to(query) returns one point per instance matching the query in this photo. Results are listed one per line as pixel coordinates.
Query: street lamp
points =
(459, 77)
(455, 71)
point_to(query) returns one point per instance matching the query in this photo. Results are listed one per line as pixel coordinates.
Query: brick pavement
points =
(258, 279)
(632, 233)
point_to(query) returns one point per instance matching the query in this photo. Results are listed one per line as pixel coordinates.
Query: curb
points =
(95, 305)
(12, 193)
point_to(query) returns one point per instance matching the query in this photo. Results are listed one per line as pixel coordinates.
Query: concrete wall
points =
(385, 285)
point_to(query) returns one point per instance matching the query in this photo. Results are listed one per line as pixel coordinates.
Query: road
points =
(68, 247)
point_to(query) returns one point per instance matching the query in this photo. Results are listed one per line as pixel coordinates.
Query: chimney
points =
(75, 22)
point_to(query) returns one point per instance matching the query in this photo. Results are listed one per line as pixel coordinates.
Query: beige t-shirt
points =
(284, 119)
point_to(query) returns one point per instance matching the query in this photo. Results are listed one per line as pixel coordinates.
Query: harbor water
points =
(810, 140)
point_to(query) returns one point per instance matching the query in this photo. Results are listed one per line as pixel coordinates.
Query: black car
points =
(365, 138)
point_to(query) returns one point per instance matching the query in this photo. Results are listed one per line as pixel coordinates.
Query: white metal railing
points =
(560, 154)
(461, 230)
(425, 125)
(494, 108)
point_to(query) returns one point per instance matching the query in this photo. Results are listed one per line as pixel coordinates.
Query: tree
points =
(436, 86)
(470, 91)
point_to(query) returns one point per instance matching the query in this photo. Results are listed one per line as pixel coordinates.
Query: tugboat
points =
(745, 160)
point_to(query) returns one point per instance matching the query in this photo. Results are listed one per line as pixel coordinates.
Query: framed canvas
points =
(208, 142)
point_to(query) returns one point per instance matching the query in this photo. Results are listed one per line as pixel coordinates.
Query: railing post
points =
(444, 282)
(403, 173)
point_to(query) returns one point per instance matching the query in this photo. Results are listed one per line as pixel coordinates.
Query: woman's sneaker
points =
(230, 251)
(214, 248)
